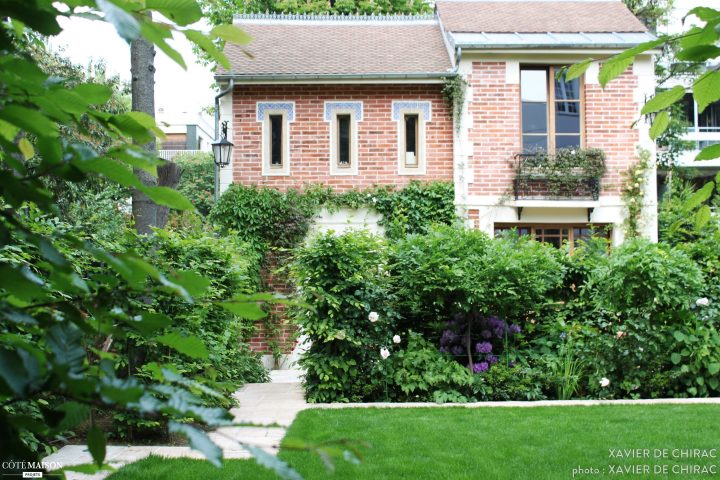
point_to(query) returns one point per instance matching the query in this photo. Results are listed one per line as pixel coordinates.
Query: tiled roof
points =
(336, 45)
(537, 16)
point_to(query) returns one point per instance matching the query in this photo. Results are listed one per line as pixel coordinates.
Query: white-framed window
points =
(343, 118)
(276, 118)
(411, 118)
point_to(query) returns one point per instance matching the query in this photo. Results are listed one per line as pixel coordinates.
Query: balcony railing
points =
(569, 174)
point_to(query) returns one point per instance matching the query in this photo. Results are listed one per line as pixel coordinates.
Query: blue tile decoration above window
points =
(424, 107)
(356, 107)
(263, 107)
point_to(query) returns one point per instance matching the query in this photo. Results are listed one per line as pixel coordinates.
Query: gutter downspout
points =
(231, 85)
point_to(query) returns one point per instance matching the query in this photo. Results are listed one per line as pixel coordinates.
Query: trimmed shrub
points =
(349, 317)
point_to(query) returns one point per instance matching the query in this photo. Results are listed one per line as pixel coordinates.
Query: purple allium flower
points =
(487, 334)
(499, 332)
(514, 328)
(447, 338)
(456, 350)
(480, 367)
(491, 359)
(444, 349)
(483, 347)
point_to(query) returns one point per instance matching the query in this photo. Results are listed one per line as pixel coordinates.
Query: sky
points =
(176, 90)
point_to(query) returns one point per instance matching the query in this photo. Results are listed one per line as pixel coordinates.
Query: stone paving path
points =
(267, 408)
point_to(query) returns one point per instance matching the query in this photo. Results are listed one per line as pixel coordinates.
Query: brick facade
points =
(495, 134)
(310, 135)
(282, 332)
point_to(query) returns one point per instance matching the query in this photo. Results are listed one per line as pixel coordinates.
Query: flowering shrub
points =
(349, 316)
(484, 342)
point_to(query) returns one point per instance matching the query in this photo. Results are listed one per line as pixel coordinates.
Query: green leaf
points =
(208, 46)
(706, 89)
(659, 125)
(199, 441)
(702, 216)
(96, 445)
(249, 310)
(168, 197)
(663, 100)
(705, 14)
(157, 34)
(26, 148)
(698, 53)
(64, 340)
(195, 284)
(125, 24)
(577, 69)
(93, 93)
(29, 120)
(272, 462)
(713, 368)
(675, 358)
(616, 65)
(190, 346)
(13, 373)
(150, 322)
(699, 197)
(231, 33)
(74, 413)
(182, 12)
(708, 153)
(120, 390)
(111, 170)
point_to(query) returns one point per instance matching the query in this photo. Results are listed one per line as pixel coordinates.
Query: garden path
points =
(265, 411)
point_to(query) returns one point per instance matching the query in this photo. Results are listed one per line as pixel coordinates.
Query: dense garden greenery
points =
(452, 315)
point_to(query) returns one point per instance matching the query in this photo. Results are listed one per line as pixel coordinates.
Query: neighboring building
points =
(356, 101)
(704, 128)
(184, 132)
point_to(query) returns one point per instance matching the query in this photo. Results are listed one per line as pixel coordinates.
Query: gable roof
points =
(300, 46)
(537, 17)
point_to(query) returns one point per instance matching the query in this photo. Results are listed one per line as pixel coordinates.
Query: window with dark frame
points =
(276, 140)
(412, 141)
(551, 110)
(344, 140)
(558, 235)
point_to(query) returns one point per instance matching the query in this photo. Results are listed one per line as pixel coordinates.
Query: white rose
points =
(702, 302)
(373, 317)
(384, 353)
(604, 382)
(396, 339)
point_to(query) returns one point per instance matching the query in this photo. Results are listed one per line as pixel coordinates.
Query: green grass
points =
(483, 443)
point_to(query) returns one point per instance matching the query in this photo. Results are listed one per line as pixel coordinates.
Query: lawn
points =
(490, 443)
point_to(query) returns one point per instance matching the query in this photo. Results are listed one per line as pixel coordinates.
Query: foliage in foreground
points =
(67, 296)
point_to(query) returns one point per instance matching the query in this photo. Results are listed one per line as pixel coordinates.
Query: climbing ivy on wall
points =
(271, 218)
(454, 93)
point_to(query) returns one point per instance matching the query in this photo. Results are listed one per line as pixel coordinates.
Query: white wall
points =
(347, 219)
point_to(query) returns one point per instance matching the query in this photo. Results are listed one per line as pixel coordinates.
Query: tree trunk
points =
(168, 176)
(142, 70)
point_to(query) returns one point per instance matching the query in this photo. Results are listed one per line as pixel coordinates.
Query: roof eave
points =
(333, 77)
(554, 46)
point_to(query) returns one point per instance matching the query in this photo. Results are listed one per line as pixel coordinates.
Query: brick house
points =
(354, 101)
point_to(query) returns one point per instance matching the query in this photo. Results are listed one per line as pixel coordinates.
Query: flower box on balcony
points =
(567, 174)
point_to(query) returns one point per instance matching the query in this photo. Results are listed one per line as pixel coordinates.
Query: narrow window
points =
(567, 112)
(343, 148)
(534, 95)
(411, 140)
(276, 140)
